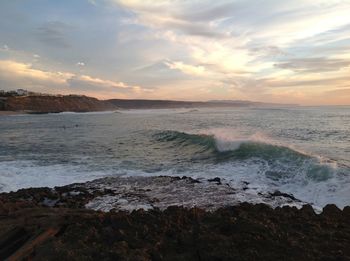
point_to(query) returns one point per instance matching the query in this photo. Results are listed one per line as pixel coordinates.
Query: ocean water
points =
(303, 151)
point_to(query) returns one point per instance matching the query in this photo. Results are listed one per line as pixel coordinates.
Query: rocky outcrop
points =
(53, 224)
(52, 104)
(245, 232)
(2, 103)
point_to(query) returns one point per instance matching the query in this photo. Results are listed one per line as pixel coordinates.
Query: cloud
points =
(321, 64)
(54, 34)
(268, 51)
(4, 48)
(93, 2)
(173, 15)
(14, 75)
(295, 82)
(12, 70)
(104, 88)
(186, 68)
(85, 81)
(339, 92)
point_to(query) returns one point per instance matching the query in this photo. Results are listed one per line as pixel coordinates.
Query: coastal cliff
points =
(44, 103)
(52, 104)
(171, 104)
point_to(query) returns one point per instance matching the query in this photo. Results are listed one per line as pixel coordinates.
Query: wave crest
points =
(239, 147)
(281, 162)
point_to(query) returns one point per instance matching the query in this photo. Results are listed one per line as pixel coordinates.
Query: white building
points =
(22, 92)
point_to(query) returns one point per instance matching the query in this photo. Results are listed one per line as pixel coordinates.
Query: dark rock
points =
(31, 231)
(191, 180)
(346, 211)
(217, 180)
(281, 194)
(331, 210)
(307, 210)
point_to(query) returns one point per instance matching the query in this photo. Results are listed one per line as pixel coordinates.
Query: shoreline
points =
(102, 219)
(155, 192)
(9, 113)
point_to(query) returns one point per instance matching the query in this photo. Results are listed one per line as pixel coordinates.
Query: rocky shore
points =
(164, 218)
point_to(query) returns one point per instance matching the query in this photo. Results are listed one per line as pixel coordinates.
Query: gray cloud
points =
(337, 92)
(188, 18)
(54, 34)
(268, 51)
(197, 29)
(208, 12)
(321, 64)
(305, 83)
(331, 36)
(248, 84)
(78, 83)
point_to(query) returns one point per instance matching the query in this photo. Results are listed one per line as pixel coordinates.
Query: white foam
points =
(248, 177)
(15, 175)
(84, 113)
(228, 139)
(335, 190)
(157, 111)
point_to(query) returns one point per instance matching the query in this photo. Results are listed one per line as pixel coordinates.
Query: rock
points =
(65, 230)
(217, 180)
(331, 210)
(346, 211)
(191, 180)
(307, 210)
(281, 194)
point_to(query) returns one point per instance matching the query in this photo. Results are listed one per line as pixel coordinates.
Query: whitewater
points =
(301, 151)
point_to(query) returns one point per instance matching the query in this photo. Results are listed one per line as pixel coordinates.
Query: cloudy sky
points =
(290, 51)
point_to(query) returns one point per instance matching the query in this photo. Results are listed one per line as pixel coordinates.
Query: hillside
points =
(75, 103)
(166, 104)
(51, 104)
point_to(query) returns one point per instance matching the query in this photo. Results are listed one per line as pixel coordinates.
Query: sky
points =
(290, 51)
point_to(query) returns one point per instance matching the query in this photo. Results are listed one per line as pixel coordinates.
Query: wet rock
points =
(307, 210)
(331, 210)
(191, 180)
(278, 193)
(346, 211)
(245, 232)
(66, 230)
(217, 180)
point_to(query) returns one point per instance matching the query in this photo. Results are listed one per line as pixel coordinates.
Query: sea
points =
(300, 151)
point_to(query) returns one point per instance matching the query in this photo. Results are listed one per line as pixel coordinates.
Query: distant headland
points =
(24, 101)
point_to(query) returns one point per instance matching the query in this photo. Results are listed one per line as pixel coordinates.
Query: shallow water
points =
(304, 151)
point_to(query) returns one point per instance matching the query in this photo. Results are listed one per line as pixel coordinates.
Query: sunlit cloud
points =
(11, 69)
(186, 68)
(14, 74)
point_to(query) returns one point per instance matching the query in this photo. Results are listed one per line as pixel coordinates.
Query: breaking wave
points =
(265, 165)
(283, 161)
